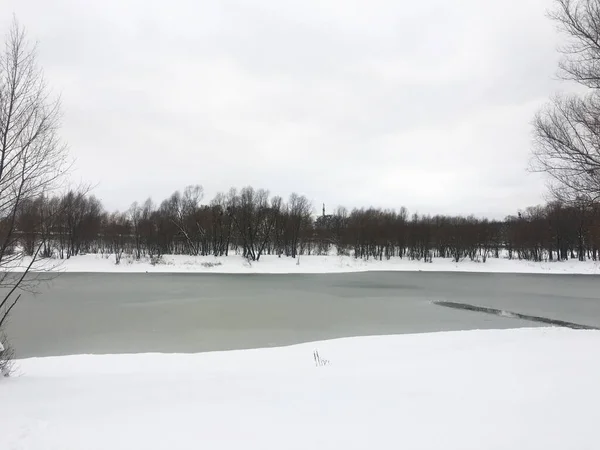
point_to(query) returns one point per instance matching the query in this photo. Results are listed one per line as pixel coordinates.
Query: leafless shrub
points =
(208, 264)
(157, 260)
(319, 362)
(7, 355)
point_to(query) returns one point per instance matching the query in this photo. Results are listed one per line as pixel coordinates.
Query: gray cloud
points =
(424, 104)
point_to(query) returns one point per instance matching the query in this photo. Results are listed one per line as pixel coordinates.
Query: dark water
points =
(121, 313)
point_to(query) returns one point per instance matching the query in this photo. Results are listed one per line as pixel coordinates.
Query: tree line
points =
(252, 223)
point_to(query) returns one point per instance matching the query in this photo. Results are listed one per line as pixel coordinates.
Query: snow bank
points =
(515, 389)
(311, 264)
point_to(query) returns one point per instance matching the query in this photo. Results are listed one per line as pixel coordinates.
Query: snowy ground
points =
(511, 389)
(311, 264)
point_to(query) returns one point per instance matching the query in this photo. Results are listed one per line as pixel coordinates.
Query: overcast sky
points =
(426, 104)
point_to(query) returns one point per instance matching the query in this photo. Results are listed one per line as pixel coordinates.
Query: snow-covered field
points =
(512, 389)
(311, 264)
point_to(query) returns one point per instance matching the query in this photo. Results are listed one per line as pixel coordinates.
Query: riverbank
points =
(517, 389)
(270, 264)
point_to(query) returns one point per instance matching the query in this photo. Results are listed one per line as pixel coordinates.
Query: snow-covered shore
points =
(309, 264)
(511, 389)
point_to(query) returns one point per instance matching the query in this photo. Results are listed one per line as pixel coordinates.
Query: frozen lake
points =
(122, 313)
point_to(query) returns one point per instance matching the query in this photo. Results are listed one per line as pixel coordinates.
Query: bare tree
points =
(300, 210)
(254, 219)
(221, 225)
(580, 21)
(567, 131)
(32, 157)
(184, 212)
(135, 218)
(567, 146)
(117, 230)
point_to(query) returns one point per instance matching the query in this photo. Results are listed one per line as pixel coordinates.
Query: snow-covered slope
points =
(310, 264)
(516, 389)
